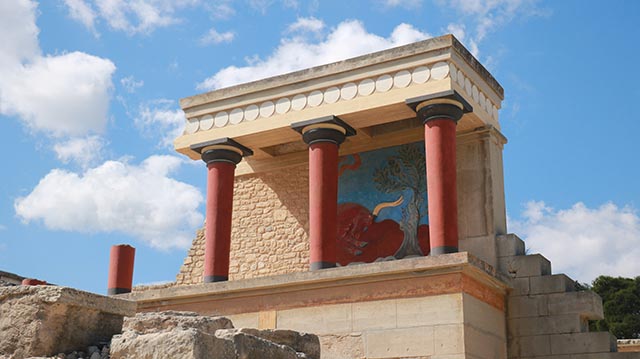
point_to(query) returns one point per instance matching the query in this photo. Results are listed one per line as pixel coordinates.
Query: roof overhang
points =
(367, 92)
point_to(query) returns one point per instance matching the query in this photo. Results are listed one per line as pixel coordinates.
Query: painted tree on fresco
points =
(405, 172)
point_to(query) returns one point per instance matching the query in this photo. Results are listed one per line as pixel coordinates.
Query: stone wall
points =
(270, 228)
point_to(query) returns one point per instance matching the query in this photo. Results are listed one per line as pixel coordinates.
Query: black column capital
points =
(222, 150)
(324, 129)
(443, 105)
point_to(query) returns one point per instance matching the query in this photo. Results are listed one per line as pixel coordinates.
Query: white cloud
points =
(82, 12)
(408, 4)
(487, 16)
(60, 95)
(141, 16)
(84, 151)
(310, 24)
(18, 34)
(64, 95)
(583, 242)
(348, 39)
(215, 37)
(161, 118)
(142, 201)
(130, 84)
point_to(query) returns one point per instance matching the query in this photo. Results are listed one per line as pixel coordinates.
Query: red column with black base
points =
(221, 156)
(440, 117)
(121, 262)
(323, 204)
(324, 136)
(218, 225)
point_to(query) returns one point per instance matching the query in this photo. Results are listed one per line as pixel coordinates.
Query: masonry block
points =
(510, 245)
(533, 265)
(585, 303)
(520, 286)
(396, 343)
(561, 324)
(578, 343)
(557, 283)
(527, 306)
(532, 346)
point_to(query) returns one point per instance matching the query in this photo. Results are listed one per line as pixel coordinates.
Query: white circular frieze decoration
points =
(461, 79)
(384, 83)
(481, 100)
(222, 118)
(315, 98)
(467, 86)
(192, 126)
(298, 102)
(488, 106)
(331, 95)
(421, 75)
(439, 71)
(348, 91)
(402, 79)
(283, 105)
(206, 122)
(474, 93)
(453, 72)
(366, 87)
(236, 116)
(267, 108)
(251, 112)
(495, 113)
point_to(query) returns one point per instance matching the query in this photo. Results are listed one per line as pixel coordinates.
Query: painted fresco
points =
(382, 204)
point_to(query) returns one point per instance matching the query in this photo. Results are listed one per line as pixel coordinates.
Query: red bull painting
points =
(382, 205)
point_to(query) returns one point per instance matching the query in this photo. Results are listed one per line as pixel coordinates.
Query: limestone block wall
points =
(269, 229)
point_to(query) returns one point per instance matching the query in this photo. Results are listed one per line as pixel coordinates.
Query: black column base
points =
(443, 250)
(321, 265)
(215, 278)
(112, 291)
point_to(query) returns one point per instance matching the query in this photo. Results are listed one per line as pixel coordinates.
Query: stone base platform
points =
(447, 306)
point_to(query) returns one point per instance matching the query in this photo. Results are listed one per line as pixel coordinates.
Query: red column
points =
(121, 269)
(324, 136)
(442, 195)
(218, 226)
(323, 203)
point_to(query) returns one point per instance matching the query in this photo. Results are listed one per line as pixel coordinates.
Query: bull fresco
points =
(382, 205)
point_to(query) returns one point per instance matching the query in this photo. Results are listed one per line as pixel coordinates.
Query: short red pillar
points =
(121, 269)
(324, 136)
(221, 157)
(31, 281)
(440, 117)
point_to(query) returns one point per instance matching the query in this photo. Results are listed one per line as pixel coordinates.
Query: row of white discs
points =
(346, 92)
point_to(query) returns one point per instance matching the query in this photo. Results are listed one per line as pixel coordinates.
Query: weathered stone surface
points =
(46, 320)
(157, 322)
(300, 342)
(342, 346)
(191, 336)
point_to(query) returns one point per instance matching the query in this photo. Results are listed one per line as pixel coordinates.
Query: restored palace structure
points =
(363, 201)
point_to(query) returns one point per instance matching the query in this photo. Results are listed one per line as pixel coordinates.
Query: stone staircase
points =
(546, 317)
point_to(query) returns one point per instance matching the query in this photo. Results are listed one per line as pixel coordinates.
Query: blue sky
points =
(88, 109)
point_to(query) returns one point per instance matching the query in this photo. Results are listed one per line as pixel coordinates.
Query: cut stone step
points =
(533, 265)
(557, 283)
(510, 245)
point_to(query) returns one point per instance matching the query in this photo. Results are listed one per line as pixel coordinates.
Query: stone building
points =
(363, 201)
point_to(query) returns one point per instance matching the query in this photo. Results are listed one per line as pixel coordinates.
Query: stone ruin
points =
(59, 322)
